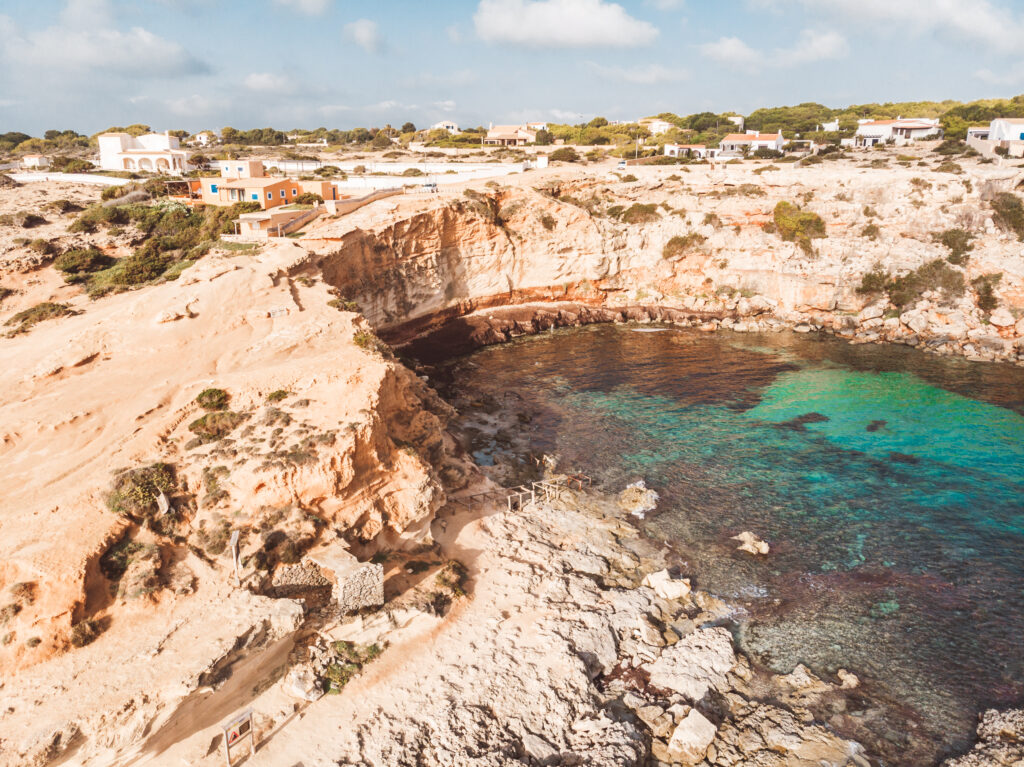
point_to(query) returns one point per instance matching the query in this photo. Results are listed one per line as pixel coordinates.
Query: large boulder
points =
(696, 663)
(354, 584)
(690, 741)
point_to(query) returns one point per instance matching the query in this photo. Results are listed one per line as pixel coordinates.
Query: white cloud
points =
(650, 74)
(194, 105)
(560, 24)
(86, 41)
(267, 82)
(445, 106)
(732, 51)
(365, 34)
(1012, 75)
(811, 46)
(454, 34)
(978, 21)
(666, 5)
(308, 7)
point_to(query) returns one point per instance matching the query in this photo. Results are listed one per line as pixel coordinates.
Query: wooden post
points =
(235, 558)
(237, 730)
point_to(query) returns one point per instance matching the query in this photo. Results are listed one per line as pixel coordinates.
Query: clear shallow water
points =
(889, 483)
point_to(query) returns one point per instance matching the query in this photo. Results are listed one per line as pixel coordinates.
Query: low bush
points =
(564, 154)
(875, 281)
(948, 167)
(712, 219)
(278, 395)
(681, 244)
(628, 178)
(213, 399)
(216, 425)
(84, 632)
(343, 305)
(413, 172)
(919, 184)
(308, 198)
(871, 231)
(1008, 213)
(81, 261)
(765, 169)
(43, 247)
(959, 243)
(135, 491)
(47, 310)
(639, 213)
(799, 226)
(984, 286)
(766, 153)
(934, 275)
(547, 221)
(367, 340)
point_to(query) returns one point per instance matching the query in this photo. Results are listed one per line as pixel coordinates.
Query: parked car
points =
(622, 165)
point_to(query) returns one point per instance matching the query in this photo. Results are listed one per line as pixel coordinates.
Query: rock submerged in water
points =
(751, 543)
(638, 499)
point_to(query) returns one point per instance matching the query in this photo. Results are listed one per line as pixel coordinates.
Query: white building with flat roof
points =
(446, 125)
(153, 152)
(899, 131)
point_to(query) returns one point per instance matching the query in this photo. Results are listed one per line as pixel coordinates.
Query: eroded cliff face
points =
(697, 243)
(118, 609)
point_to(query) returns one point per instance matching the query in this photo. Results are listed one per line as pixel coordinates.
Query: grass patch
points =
(214, 426)
(75, 264)
(349, 661)
(135, 491)
(1009, 213)
(343, 305)
(959, 243)
(984, 286)
(871, 231)
(640, 213)
(364, 339)
(24, 320)
(278, 395)
(903, 290)
(681, 244)
(84, 632)
(799, 226)
(547, 221)
(243, 247)
(213, 399)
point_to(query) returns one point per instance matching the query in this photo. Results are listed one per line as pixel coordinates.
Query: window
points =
(284, 194)
(255, 196)
(294, 192)
(270, 195)
(239, 168)
(213, 189)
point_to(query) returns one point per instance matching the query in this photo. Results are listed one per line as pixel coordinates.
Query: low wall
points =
(343, 207)
(73, 178)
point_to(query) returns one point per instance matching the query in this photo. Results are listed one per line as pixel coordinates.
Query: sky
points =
(205, 64)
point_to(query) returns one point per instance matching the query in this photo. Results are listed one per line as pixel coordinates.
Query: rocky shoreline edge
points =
(485, 327)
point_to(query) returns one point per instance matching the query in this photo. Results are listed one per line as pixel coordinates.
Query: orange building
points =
(244, 181)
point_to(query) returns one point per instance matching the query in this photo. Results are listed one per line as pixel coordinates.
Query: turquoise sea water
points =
(889, 484)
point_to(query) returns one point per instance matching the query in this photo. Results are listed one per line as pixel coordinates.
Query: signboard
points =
(237, 730)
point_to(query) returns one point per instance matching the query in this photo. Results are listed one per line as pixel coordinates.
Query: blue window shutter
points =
(255, 196)
(270, 195)
(213, 188)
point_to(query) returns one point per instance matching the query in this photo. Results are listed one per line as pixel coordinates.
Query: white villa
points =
(899, 131)
(1006, 129)
(156, 152)
(1002, 133)
(203, 138)
(35, 161)
(752, 140)
(699, 151)
(446, 125)
(511, 135)
(657, 127)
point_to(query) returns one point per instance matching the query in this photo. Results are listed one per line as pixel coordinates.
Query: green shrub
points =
(871, 231)
(948, 167)
(135, 491)
(959, 243)
(366, 340)
(216, 425)
(628, 178)
(29, 220)
(547, 221)
(875, 281)
(984, 286)
(413, 172)
(343, 305)
(33, 642)
(84, 632)
(308, 198)
(934, 275)
(869, 211)
(278, 395)
(47, 310)
(639, 213)
(564, 154)
(796, 225)
(680, 244)
(1009, 213)
(213, 399)
(712, 219)
(767, 153)
(80, 261)
(24, 592)
(919, 184)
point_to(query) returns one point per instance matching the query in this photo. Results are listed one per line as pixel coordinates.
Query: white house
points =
(536, 126)
(156, 152)
(203, 138)
(35, 161)
(511, 135)
(657, 127)
(1006, 129)
(831, 127)
(699, 151)
(978, 132)
(899, 131)
(738, 120)
(446, 125)
(752, 140)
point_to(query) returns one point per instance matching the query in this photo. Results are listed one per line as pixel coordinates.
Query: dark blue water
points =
(889, 483)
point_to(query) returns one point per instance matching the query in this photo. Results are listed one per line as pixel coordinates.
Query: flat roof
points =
(250, 183)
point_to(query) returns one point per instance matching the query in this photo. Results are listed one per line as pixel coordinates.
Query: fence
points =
(522, 496)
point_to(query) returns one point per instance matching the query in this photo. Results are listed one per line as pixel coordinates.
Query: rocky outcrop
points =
(1000, 741)
(565, 244)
